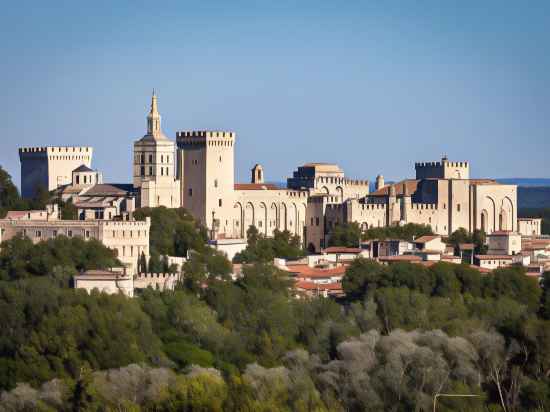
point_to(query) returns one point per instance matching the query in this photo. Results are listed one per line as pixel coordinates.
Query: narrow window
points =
(219, 202)
(190, 192)
(142, 171)
(150, 171)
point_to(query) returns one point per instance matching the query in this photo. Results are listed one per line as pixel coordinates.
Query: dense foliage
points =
(173, 232)
(543, 213)
(10, 199)
(404, 333)
(346, 235)
(60, 257)
(261, 248)
(408, 232)
(461, 235)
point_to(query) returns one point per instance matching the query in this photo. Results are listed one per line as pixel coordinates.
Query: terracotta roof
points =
(303, 270)
(385, 191)
(113, 189)
(484, 182)
(16, 214)
(341, 249)
(255, 186)
(424, 239)
(494, 257)
(303, 284)
(501, 233)
(400, 258)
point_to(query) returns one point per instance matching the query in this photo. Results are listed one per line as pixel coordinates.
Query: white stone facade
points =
(128, 238)
(50, 167)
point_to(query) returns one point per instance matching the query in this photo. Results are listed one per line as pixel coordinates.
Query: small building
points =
(504, 243)
(433, 243)
(390, 247)
(529, 226)
(230, 247)
(110, 281)
(494, 261)
(312, 289)
(387, 260)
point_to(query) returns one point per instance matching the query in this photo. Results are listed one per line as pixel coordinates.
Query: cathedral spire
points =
(153, 118)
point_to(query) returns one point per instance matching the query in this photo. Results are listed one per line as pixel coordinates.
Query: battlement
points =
(205, 134)
(373, 206)
(418, 165)
(442, 170)
(356, 182)
(145, 276)
(424, 206)
(56, 149)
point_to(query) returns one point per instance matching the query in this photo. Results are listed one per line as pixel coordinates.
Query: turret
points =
(379, 182)
(257, 174)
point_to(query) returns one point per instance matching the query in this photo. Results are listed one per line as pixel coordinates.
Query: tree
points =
(362, 276)
(408, 232)
(9, 195)
(347, 235)
(261, 248)
(174, 232)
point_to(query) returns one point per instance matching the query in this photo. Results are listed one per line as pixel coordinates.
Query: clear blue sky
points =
(373, 86)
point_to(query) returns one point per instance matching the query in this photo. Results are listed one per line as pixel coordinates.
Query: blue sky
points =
(372, 86)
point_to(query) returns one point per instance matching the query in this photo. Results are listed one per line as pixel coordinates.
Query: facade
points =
(153, 165)
(504, 243)
(129, 238)
(106, 281)
(530, 226)
(50, 167)
(197, 172)
(442, 196)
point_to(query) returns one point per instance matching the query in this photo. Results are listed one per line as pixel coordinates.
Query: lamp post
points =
(452, 395)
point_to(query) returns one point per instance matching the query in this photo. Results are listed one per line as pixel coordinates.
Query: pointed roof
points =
(83, 168)
(154, 130)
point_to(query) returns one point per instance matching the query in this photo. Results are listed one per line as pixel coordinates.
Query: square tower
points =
(206, 169)
(442, 170)
(50, 167)
(153, 166)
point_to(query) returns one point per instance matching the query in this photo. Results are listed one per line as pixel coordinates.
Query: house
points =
(433, 243)
(504, 243)
(494, 261)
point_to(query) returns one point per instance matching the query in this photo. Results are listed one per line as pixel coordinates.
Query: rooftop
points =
(425, 239)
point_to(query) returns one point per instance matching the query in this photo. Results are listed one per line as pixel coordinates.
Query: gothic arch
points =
(507, 211)
(491, 214)
(484, 220)
(284, 217)
(238, 221)
(262, 218)
(273, 218)
(249, 218)
(294, 216)
(340, 193)
(325, 190)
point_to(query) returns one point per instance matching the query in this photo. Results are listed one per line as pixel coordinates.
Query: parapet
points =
(442, 170)
(205, 134)
(56, 149)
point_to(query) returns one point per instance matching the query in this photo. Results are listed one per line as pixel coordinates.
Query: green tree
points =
(347, 235)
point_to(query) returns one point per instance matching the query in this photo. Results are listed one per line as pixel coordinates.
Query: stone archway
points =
(249, 218)
(238, 221)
